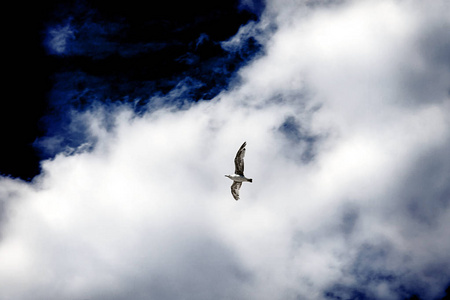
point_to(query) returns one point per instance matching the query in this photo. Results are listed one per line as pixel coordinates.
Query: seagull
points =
(238, 176)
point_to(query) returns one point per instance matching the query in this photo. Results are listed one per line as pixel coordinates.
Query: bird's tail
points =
(250, 180)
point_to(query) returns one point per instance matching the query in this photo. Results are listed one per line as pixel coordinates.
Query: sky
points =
(127, 117)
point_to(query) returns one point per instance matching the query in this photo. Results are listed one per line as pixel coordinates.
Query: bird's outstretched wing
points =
(239, 160)
(235, 189)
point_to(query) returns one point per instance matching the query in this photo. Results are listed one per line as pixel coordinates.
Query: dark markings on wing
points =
(235, 189)
(239, 160)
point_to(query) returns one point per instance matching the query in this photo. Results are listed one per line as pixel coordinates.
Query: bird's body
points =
(238, 176)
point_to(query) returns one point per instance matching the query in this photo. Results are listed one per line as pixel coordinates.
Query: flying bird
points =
(238, 176)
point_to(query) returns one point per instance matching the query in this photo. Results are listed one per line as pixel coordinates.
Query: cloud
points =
(58, 38)
(347, 145)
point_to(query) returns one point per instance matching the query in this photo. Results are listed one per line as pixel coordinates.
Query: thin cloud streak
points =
(348, 155)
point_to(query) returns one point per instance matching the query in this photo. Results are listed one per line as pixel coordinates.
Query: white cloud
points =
(58, 38)
(148, 213)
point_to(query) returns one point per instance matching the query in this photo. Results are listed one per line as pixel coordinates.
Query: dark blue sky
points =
(69, 54)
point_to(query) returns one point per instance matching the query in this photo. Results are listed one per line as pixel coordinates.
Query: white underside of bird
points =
(238, 176)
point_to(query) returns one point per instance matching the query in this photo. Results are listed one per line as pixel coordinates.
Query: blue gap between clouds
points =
(101, 56)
